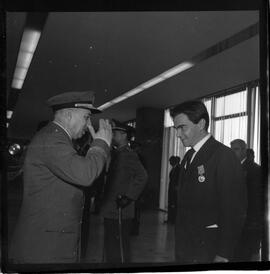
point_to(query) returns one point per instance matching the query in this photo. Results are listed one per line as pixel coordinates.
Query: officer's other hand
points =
(122, 201)
(220, 259)
(104, 132)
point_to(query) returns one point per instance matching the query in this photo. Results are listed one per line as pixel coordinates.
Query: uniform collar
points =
(57, 123)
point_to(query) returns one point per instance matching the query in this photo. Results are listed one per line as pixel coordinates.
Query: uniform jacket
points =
(126, 176)
(48, 229)
(210, 214)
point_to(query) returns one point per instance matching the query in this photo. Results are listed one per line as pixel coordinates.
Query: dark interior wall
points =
(149, 133)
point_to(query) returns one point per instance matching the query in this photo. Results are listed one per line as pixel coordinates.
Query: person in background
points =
(49, 226)
(211, 201)
(172, 191)
(250, 155)
(249, 244)
(126, 179)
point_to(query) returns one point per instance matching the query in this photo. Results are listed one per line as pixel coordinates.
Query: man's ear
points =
(71, 113)
(68, 115)
(202, 123)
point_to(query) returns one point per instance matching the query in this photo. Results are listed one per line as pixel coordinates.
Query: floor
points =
(155, 242)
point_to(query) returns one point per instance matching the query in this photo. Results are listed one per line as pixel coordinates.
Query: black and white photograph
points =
(135, 140)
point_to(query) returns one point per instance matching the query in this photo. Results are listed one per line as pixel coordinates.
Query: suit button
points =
(63, 230)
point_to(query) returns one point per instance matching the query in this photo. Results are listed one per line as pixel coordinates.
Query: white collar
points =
(57, 123)
(198, 146)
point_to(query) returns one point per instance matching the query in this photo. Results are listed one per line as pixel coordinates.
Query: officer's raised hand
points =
(104, 132)
(122, 201)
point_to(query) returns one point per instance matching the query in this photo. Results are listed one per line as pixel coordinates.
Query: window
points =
(236, 115)
(230, 117)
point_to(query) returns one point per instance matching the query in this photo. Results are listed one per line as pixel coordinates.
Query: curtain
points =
(171, 146)
(255, 122)
(208, 103)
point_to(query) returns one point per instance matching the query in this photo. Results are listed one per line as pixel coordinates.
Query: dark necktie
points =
(188, 157)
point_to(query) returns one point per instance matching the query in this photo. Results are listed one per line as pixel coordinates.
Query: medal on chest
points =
(201, 174)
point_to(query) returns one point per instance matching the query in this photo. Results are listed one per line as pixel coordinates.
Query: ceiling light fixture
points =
(154, 81)
(177, 69)
(28, 46)
(133, 92)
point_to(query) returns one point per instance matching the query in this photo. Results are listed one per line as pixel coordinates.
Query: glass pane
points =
(231, 104)
(230, 129)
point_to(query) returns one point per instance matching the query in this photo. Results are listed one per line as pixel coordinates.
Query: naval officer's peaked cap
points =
(116, 125)
(75, 99)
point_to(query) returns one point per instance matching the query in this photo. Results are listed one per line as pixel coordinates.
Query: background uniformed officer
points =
(49, 225)
(127, 178)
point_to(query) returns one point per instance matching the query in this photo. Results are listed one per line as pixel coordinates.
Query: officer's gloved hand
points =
(122, 201)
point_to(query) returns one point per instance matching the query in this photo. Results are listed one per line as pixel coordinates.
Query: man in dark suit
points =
(249, 245)
(211, 198)
(49, 226)
(172, 190)
(126, 180)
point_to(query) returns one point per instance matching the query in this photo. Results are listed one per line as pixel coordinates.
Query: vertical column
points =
(149, 133)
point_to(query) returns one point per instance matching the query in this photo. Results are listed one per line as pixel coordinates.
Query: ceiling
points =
(113, 52)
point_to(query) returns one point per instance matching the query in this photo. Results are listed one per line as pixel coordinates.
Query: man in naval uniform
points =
(211, 195)
(49, 225)
(126, 180)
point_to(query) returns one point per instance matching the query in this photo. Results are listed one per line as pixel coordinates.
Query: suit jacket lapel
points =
(182, 172)
(202, 156)
(204, 153)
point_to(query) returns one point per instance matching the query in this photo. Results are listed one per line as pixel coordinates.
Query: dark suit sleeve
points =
(232, 202)
(64, 162)
(138, 176)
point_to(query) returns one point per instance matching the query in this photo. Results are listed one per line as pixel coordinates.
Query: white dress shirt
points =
(198, 146)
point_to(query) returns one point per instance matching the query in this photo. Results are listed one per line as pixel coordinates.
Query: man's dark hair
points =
(241, 142)
(195, 111)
